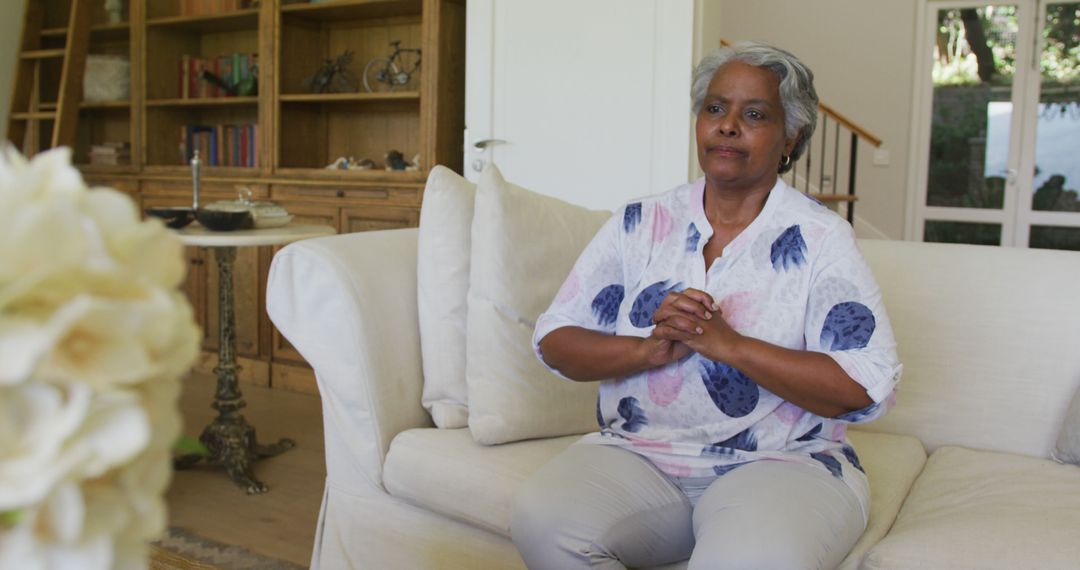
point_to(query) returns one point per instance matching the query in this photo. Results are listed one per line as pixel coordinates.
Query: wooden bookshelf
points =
(299, 132)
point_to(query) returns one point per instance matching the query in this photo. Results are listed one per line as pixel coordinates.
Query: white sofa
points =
(988, 338)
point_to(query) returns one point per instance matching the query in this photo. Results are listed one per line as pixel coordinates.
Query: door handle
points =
(481, 145)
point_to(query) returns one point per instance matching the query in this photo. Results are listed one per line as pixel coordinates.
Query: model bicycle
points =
(390, 73)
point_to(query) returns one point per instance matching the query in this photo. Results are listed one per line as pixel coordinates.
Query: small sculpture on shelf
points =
(390, 73)
(333, 76)
(396, 161)
(115, 10)
(350, 163)
(248, 86)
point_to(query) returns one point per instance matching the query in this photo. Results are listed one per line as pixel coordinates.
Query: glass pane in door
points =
(974, 64)
(1054, 237)
(1057, 142)
(962, 232)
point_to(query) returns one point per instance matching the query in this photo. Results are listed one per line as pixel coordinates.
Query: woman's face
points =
(740, 128)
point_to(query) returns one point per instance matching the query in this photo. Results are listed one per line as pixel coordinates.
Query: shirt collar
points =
(701, 221)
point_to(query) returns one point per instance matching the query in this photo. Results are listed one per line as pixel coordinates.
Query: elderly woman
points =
(736, 332)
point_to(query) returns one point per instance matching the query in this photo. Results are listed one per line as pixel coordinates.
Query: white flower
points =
(93, 337)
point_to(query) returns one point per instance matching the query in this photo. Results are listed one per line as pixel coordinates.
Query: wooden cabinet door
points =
(370, 218)
(302, 214)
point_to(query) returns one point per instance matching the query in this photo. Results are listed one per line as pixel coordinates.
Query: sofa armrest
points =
(348, 305)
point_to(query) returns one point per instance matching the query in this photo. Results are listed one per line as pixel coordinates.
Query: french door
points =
(999, 144)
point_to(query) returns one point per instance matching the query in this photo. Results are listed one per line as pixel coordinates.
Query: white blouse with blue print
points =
(794, 277)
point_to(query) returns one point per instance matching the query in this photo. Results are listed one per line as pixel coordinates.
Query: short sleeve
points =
(846, 319)
(593, 292)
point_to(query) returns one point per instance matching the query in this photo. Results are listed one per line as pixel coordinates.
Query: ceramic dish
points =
(174, 217)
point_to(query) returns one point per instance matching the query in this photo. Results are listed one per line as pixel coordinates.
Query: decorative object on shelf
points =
(107, 78)
(350, 163)
(228, 75)
(115, 9)
(94, 336)
(110, 153)
(390, 73)
(396, 161)
(333, 76)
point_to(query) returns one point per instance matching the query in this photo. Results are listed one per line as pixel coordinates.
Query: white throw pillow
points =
(442, 281)
(1068, 442)
(523, 246)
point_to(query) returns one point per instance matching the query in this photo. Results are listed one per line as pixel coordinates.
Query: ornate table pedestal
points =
(229, 438)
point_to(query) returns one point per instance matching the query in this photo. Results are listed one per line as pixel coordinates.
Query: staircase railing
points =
(827, 167)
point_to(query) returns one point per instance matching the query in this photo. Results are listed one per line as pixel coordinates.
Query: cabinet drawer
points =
(378, 218)
(345, 195)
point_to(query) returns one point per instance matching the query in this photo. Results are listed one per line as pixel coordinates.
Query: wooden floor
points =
(279, 524)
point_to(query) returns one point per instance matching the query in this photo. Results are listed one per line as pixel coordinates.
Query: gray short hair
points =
(797, 93)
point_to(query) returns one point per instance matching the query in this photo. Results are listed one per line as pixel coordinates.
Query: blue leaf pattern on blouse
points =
(732, 391)
(599, 415)
(848, 326)
(631, 217)
(744, 440)
(810, 434)
(631, 411)
(605, 306)
(829, 462)
(849, 452)
(648, 301)
(789, 250)
(856, 415)
(722, 469)
(692, 238)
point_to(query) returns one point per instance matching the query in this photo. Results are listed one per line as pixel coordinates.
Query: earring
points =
(785, 160)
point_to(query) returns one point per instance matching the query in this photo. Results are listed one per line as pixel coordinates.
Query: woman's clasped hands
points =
(691, 321)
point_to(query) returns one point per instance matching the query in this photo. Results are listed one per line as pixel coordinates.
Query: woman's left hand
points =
(711, 337)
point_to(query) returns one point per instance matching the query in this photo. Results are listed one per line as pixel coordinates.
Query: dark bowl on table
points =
(174, 217)
(224, 220)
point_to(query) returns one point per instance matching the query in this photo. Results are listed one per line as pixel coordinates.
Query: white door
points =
(584, 101)
(1001, 131)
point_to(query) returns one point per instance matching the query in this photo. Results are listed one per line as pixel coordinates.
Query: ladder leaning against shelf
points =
(45, 116)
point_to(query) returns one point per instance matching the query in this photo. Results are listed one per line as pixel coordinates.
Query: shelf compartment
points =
(165, 127)
(100, 125)
(314, 135)
(315, 42)
(349, 9)
(163, 62)
(240, 20)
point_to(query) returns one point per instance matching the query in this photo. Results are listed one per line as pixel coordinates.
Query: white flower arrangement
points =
(94, 337)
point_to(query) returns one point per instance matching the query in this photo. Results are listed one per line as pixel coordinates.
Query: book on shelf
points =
(221, 144)
(233, 70)
(110, 153)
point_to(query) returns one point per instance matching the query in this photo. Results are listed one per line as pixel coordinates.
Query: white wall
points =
(861, 52)
(11, 17)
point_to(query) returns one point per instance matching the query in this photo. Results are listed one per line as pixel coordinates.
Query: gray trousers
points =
(598, 506)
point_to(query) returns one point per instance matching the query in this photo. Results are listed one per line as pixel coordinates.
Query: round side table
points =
(229, 438)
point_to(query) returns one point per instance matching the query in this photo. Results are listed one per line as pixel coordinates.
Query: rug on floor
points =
(180, 549)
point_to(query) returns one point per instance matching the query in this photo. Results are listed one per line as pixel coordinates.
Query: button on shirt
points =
(794, 278)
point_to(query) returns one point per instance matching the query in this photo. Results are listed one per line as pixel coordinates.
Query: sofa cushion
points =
(892, 463)
(986, 510)
(442, 282)
(523, 246)
(1068, 443)
(445, 471)
(989, 357)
